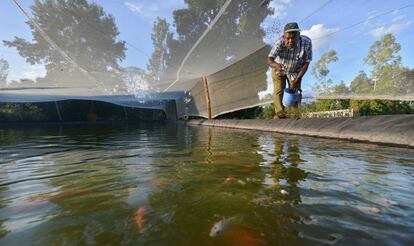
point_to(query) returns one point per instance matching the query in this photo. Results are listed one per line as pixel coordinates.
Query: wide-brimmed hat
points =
(292, 27)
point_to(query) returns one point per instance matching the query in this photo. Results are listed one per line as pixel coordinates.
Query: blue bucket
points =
(290, 97)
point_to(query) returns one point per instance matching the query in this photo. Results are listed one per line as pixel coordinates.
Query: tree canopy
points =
(320, 71)
(388, 75)
(4, 70)
(361, 84)
(341, 89)
(233, 33)
(157, 63)
(80, 29)
(384, 52)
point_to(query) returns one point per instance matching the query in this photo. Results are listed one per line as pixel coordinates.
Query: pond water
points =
(167, 184)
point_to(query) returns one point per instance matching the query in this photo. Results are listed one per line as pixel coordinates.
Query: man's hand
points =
(281, 70)
(294, 85)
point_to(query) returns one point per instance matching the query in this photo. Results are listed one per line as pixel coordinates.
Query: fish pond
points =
(168, 184)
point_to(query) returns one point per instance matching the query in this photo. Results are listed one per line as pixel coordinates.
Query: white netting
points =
(56, 50)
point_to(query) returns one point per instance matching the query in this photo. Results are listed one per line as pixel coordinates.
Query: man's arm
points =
(296, 83)
(280, 69)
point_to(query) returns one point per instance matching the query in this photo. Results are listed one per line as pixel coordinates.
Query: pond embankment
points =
(395, 130)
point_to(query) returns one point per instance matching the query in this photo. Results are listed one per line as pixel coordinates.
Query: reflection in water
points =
(3, 204)
(274, 203)
(208, 149)
(170, 184)
(287, 167)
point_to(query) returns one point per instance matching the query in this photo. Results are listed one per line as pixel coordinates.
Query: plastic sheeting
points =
(81, 58)
(233, 88)
(58, 50)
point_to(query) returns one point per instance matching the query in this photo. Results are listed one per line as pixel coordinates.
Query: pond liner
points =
(394, 130)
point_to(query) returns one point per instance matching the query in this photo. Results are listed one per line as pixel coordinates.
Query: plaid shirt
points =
(294, 58)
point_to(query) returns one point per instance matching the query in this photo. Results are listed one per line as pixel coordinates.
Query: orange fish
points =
(240, 236)
(249, 167)
(229, 179)
(43, 196)
(159, 183)
(56, 195)
(139, 217)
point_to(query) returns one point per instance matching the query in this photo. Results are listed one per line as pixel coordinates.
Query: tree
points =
(383, 52)
(320, 71)
(380, 107)
(404, 82)
(4, 70)
(229, 40)
(157, 63)
(385, 80)
(361, 84)
(386, 64)
(82, 31)
(341, 89)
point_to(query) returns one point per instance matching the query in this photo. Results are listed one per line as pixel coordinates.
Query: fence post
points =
(207, 95)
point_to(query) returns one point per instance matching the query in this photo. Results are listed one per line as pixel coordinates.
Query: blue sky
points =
(333, 24)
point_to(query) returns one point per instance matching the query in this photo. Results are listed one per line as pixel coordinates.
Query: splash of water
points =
(139, 87)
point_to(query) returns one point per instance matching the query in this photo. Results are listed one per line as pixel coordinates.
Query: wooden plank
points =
(207, 95)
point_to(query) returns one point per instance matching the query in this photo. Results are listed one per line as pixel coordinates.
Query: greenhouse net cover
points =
(142, 53)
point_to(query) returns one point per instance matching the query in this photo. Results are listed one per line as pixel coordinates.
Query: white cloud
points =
(34, 72)
(269, 89)
(22, 70)
(377, 27)
(398, 18)
(321, 36)
(279, 7)
(134, 7)
(393, 28)
(155, 8)
(395, 12)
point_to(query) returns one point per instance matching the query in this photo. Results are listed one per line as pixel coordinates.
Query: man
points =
(289, 60)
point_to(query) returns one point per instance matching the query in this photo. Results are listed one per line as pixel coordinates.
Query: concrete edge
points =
(395, 130)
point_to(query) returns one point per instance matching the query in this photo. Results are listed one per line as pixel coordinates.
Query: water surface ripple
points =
(86, 185)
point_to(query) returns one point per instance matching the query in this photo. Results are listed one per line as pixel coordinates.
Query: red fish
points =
(139, 217)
